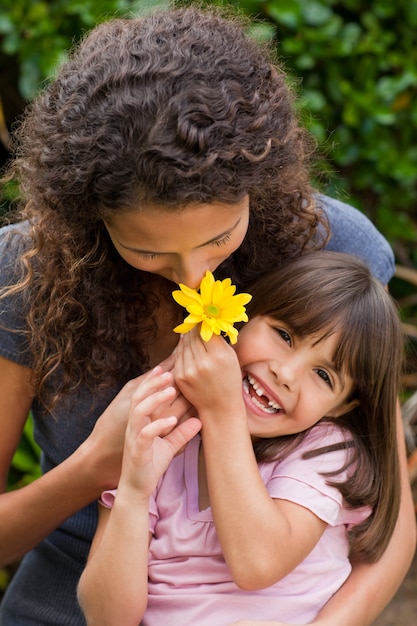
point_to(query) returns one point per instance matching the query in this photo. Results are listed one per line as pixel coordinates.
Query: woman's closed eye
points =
(223, 241)
(149, 256)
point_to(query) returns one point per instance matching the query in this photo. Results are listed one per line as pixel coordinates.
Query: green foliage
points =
(25, 465)
(39, 32)
(357, 60)
(358, 63)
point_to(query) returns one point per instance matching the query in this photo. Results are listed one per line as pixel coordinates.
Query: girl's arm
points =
(29, 514)
(370, 587)
(113, 587)
(262, 539)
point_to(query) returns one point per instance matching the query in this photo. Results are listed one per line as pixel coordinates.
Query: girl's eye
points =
(285, 335)
(324, 375)
(223, 241)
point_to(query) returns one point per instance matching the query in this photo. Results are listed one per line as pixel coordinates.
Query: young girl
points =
(296, 469)
(166, 146)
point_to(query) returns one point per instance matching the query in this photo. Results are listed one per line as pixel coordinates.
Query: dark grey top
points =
(43, 592)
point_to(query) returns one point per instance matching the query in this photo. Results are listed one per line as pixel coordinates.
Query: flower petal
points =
(239, 299)
(195, 309)
(237, 314)
(232, 333)
(224, 325)
(206, 288)
(194, 319)
(183, 328)
(206, 332)
(217, 293)
(186, 296)
(228, 288)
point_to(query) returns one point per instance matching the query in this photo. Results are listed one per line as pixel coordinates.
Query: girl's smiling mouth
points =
(259, 397)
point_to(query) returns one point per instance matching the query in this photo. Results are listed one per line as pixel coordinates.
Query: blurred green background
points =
(354, 66)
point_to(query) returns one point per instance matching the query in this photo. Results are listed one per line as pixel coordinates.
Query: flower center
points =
(212, 310)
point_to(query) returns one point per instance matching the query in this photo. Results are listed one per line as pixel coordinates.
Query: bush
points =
(358, 63)
(39, 32)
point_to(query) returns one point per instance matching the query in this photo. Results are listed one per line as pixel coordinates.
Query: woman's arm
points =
(262, 539)
(113, 587)
(29, 514)
(369, 588)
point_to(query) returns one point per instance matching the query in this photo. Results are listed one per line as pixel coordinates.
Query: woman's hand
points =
(103, 449)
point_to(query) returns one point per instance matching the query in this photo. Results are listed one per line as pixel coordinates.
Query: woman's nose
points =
(190, 273)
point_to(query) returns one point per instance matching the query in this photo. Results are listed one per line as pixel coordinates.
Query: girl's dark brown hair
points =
(326, 292)
(174, 108)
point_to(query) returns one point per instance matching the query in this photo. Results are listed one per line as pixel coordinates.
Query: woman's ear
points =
(344, 408)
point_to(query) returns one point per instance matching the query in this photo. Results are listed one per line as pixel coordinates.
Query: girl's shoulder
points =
(325, 433)
(324, 448)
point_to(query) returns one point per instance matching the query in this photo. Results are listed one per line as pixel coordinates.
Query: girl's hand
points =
(151, 445)
(208, 373)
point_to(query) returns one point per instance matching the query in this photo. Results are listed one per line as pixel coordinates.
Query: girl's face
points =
(180, 245)
(289, 383)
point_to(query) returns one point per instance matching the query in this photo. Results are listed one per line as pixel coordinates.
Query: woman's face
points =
(180, 245)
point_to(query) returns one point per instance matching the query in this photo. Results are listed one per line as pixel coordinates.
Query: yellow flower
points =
(215, 307)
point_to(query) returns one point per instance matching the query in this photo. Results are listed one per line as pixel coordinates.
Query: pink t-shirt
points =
(189, 581)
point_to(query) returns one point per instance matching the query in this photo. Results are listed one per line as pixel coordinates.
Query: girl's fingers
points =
(183, 433)
(159, 428)
(153, 381)
(178, 435)
(178, 406)
(142, 409)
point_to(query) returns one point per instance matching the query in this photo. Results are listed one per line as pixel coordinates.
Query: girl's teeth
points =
(258, 390)
(261, 392)
(264, 408)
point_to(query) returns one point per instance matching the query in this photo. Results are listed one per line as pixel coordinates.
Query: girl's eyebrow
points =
(206, 243)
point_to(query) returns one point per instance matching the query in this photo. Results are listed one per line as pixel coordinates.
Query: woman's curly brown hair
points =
(175, 108)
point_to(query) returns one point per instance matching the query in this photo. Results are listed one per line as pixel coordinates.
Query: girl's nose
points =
(288, 372)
